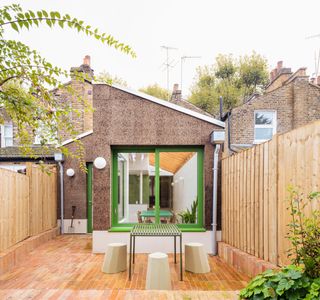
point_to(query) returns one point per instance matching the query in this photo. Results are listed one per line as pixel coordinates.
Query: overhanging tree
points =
(233, 79)
(27, 78)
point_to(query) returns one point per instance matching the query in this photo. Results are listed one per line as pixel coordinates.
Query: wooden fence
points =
(28, 204)
(255, 191)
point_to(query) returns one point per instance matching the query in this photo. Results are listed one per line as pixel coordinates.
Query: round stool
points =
(158, 272)
(196, 260)
(115, 258)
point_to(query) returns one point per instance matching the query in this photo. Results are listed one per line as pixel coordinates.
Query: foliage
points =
(233, 79)
(253, 73)
(26, 78)
(190, 216)
(156, 90)
(304, 233)
(105, 77)
(302, 279)
(289, 283)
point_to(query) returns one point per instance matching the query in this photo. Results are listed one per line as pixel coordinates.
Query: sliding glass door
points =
(157, 185)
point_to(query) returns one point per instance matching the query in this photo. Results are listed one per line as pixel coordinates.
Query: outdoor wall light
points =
(100, 163)
(70, 172)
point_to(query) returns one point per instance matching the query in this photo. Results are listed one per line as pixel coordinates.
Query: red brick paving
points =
(65, 268)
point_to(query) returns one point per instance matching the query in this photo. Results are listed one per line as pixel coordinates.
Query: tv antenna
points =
(183, 59)
(168, 64)
(316, 55)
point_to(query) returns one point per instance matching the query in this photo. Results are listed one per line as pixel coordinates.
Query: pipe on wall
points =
(215, 199)
(61, 198)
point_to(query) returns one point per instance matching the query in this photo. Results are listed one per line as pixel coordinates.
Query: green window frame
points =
(115, 225)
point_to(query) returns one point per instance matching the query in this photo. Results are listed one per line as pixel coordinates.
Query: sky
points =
(278, 30)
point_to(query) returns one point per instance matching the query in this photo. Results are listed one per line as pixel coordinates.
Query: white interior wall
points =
(185, 186)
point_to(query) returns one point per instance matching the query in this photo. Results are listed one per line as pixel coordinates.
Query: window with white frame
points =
(6, 135)
(265, 125)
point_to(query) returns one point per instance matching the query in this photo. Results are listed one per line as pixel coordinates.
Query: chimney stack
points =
(86, 60)
(279, 65)
(318, 80)
(176, 93)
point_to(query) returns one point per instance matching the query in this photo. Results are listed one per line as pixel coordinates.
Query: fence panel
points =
(28, 204)
(255, 191)
(14, 204)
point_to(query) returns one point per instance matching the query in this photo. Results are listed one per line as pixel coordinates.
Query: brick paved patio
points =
(65, 268)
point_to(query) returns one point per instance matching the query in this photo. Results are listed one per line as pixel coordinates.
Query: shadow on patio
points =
(65, 268)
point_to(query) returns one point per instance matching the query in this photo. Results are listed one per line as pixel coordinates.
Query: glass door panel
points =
(134, 186)
(178, 178)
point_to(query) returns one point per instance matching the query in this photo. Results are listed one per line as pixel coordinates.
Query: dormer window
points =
(265, 125)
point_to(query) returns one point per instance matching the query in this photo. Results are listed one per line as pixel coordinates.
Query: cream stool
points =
(115, 259)
(196, 260)
(158, 272)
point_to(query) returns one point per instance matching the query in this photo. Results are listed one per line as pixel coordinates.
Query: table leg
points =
(130, 256)
(175, 249)
(134, 248)
(181, 276)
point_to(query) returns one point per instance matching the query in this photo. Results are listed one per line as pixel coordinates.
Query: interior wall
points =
(185, 186)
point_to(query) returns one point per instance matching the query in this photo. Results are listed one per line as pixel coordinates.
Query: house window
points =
(6, 135)
(265, 125)
(157, 185)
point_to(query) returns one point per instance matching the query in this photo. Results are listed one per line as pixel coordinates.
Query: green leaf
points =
(61, 23)
(15, 27)
(49, 23)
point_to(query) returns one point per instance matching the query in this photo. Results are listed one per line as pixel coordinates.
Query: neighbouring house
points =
(289, 101)
(158, 155)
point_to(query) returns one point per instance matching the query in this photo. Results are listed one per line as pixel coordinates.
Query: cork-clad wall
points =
(121, 118)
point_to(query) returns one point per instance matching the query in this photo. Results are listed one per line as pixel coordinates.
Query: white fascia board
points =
(80, 136)
(170, 105)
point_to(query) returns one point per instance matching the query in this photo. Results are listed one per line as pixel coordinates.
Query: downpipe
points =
(215, 199)
(61, 198)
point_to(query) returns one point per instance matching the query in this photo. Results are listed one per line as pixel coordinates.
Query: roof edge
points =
(80, 136)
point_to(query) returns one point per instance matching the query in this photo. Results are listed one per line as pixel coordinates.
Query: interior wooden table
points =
(152, 214)
(152, 230)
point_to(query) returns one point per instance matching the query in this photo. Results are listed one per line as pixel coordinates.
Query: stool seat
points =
(115, 258)
(196, 259)
(158, 272)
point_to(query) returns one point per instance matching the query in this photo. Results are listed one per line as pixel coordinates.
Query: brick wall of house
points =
(82, 117)
(242, 117)
(296, 103)
(121, 118)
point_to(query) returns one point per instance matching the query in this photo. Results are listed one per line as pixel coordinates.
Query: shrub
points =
(304, 233)
(302, 279)
(290, 282)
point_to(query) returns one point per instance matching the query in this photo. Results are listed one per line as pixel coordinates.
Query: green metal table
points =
(151, 230)
(152, 214)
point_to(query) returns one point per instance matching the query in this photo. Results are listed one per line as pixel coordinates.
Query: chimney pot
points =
(86, 60)
(279, 65)
(175, 87)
